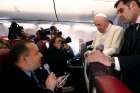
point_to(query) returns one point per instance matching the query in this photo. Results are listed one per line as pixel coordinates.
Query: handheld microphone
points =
(46, 66)
(100, 47)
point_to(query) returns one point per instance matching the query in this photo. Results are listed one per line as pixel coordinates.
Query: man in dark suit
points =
(19, 74)
(128, 61)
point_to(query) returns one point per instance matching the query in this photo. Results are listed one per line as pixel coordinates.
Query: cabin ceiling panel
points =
(66, 10)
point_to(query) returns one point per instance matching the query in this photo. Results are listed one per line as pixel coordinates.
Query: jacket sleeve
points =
(47, 91)
(129, 62)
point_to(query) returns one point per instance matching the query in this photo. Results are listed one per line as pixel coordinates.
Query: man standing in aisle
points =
(128, 61)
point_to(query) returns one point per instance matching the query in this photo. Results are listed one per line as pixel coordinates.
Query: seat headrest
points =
(4, 53)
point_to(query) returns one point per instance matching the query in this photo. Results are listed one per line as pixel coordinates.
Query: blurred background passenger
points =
(56, 57)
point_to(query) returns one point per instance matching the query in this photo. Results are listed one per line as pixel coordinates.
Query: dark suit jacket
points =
(130, 71)
(129, 58)
(16, 81)
(131, 44)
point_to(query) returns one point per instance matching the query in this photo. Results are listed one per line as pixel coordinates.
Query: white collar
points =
(28, 73)
(138, 19)
(109, 26)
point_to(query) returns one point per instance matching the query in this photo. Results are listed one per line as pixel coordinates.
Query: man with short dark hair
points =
(128, 62)
(20, 78)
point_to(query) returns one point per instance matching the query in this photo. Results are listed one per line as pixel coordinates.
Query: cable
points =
(55, 11)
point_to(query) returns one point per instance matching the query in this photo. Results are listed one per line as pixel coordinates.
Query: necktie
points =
(33, 77)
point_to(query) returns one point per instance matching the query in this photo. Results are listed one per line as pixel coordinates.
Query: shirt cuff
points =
(117, 64)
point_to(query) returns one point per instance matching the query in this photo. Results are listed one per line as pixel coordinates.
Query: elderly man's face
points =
(100, 24)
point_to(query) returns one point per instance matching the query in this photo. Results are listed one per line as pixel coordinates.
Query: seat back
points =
(4, 53)
(110, 84)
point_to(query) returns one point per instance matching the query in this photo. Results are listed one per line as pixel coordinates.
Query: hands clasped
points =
(97, 56)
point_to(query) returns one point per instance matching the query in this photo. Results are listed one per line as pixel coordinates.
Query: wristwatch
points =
(112, 62)
(111, 68)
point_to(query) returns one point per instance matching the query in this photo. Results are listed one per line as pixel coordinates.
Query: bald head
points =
(101, 22)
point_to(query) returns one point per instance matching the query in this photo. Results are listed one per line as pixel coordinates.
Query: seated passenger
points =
(108, 37)
(19, 71)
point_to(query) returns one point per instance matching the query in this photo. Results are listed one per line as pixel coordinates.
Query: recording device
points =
(67, 40)
(100, 47)
(15, 30)
(47, 68)
(64, 79)
(44, 32)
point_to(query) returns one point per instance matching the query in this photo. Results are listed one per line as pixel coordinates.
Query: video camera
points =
(44, 32)
(67, 40)
(15, 30)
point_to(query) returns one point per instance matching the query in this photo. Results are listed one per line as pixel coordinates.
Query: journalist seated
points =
(18, 71)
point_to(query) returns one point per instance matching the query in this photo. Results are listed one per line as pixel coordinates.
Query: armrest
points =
(110, 84)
